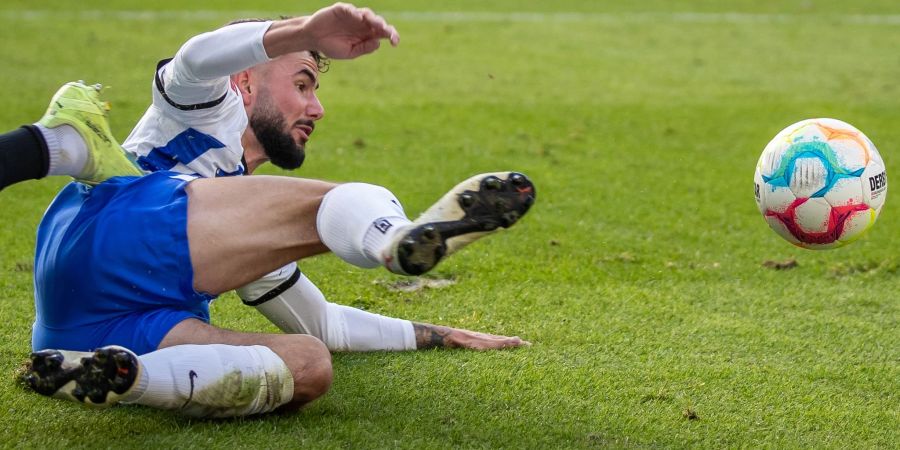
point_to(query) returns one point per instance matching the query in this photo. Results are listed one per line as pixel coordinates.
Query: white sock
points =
(356, 221)
(68, 152)
(213, 380)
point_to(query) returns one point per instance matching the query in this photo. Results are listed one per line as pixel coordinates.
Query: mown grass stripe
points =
(476, 17)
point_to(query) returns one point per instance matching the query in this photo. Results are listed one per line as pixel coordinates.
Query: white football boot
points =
(474, 208)
(99, 379)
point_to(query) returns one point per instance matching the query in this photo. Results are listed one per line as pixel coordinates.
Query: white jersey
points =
(195, 123)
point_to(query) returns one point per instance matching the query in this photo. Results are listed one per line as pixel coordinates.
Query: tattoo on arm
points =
(430, 336)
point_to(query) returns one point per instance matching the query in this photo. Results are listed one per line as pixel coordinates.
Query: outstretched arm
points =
(290, 301)
(340, 31)
(200, 70)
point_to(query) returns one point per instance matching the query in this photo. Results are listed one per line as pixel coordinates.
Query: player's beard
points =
(268, 125)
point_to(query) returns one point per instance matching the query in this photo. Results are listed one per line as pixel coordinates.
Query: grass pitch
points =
(639, 275)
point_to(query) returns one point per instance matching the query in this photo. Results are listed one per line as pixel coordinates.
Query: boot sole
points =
(109, 369)
(495, 204)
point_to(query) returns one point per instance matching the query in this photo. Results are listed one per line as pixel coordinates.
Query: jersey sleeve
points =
(199, 73)
(295, 305)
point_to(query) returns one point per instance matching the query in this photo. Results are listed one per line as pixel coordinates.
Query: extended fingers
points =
(492, 336)
(365, 47)
(511, 342)
(375, 23)
(493, 342)
(379, 26)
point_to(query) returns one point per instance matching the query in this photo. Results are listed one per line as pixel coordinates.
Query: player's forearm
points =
(223, 52)
(355, 330)
(234, 48)
(200, 70)
(287, 36)
(430, 336)
(298, 306)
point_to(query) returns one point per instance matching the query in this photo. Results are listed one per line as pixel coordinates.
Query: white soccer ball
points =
(820, 183)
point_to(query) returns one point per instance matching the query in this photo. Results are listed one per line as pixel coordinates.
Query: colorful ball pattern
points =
(820, 183)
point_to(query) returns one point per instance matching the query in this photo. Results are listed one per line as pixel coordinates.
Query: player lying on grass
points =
(129, 265)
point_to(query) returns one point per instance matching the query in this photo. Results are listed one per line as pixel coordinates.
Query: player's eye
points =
(301, 87)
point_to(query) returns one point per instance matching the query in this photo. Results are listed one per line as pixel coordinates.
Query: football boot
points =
(471, 210)
(98, 379)
(79, 106)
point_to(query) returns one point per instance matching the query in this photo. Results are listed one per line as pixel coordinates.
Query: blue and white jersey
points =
(195, 123)
(205, 142)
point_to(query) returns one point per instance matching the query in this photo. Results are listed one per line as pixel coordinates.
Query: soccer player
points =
(128, 267)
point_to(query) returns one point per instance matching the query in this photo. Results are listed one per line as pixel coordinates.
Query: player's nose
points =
(315, 110)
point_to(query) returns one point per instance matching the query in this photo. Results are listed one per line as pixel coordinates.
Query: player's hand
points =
(435, 336)
(343, 31)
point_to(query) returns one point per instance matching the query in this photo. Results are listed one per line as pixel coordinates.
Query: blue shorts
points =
(112, 265)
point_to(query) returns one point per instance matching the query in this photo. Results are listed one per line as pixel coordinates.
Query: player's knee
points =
(345, 215)
(310, 363)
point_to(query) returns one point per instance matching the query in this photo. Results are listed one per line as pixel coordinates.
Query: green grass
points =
(638, 275)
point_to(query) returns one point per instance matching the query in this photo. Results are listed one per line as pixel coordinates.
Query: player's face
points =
(286, 108)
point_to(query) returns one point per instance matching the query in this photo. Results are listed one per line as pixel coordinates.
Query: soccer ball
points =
(820, 183)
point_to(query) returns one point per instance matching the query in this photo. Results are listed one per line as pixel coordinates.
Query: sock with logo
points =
(358, 221)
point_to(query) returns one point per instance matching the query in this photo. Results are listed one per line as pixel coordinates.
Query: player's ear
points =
(241, 81)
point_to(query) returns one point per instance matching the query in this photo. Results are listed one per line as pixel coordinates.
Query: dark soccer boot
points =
(474, 208)
(99, 379)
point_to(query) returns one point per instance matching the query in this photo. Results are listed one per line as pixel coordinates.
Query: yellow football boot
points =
(79, 106)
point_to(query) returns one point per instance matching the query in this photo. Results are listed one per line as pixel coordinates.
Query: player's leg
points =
(23, 156)
(73, 138)
(240, 229)
(306, 357)
(199, 370)
(471, 210)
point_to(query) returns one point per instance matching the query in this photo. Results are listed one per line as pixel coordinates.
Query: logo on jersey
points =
(383, 225)
(238, 171)
(187, 146)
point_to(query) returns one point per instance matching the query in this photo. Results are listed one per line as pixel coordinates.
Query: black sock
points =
(23, 156)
